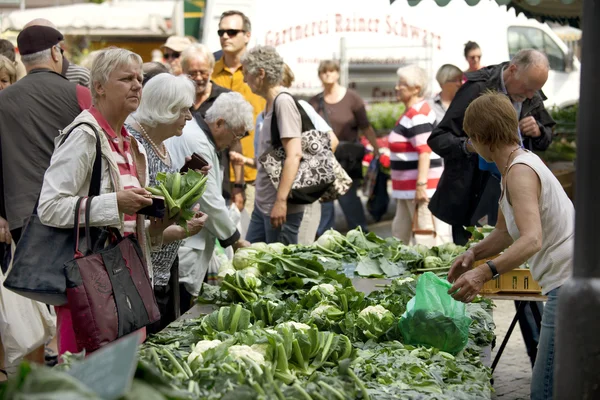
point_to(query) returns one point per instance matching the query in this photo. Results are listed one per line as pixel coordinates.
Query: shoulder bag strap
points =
(97, 168)
(307, 124)
(77, 211)
(323, 109)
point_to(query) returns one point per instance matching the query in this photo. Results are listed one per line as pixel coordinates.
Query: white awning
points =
(129, 18)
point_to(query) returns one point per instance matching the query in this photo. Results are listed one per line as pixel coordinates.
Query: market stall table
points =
(521, 298)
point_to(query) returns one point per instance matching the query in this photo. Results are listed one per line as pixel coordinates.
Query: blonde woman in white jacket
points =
(116, 90)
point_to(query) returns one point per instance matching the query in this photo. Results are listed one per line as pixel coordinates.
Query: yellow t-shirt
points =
(222, 76)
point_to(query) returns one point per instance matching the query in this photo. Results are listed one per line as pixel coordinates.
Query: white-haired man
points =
(226, 121)
(469, 188)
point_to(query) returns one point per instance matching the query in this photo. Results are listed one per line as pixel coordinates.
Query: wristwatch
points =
(492, 266)
(239, 185)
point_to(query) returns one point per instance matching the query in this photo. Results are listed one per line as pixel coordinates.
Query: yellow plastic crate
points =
(519, 280)
(493, 286)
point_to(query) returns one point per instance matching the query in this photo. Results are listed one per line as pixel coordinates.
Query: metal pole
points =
(343, 62)
(577, 363)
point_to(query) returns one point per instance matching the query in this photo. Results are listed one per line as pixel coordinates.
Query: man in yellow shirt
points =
(234, 33)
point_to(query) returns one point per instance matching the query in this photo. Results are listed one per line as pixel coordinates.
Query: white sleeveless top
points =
(553, 264)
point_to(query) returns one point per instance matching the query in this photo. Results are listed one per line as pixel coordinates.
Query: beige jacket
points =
(69, 177)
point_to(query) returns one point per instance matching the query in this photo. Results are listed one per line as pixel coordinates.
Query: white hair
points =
(233, 109)
(527, 58)
(163, 98)
(197, 50)
(414, 76)
(37, 58)
(109, 60)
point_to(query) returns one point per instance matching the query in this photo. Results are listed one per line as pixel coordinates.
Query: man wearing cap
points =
(172, 50)
(32, 112)
(74, 73)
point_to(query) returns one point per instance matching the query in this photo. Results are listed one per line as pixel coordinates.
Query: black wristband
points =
(492, 266)
(239, 185)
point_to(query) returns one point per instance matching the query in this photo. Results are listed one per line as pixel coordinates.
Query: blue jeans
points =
(260, 229)
(352, 208)
(542, 379)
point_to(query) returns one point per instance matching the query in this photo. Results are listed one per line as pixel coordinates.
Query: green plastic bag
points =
(434, 318)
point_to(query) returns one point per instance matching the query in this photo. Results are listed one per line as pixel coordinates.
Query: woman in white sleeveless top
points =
(536, 223)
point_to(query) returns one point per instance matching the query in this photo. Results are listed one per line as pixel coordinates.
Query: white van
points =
(373, 38)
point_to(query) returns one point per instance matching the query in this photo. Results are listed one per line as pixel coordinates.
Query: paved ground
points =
(513, 373)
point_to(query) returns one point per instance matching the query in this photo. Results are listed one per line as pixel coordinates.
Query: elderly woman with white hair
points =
(116, 83)
(227, 120)
(415, 168)
(163, 113)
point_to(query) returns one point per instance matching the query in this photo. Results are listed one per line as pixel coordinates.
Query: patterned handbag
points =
(316, 173)
(340, 186)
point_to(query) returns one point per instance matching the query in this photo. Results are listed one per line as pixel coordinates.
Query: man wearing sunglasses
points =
(172, 50)
(234, 34)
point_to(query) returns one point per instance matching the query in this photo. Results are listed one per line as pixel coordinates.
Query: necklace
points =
(162, 154)
(508, 160)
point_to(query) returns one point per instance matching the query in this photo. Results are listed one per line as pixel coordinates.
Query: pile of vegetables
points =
(291, 325)
(288, 323)
(371, 256)
(181, 192)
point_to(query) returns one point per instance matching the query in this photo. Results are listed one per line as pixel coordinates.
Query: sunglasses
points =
(173, 55)
(60, 49)
(229, 32)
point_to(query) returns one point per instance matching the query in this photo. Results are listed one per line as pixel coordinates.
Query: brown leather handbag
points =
(109, 291)
(416, 230)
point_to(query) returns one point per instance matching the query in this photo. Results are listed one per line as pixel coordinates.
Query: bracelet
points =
(421, 183)
(239, 185)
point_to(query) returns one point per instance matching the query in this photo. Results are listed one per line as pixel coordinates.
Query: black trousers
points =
(167, 298)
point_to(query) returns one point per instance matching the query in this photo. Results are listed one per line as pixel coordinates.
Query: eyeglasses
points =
(230, 32)
(172, 55)
(193, 74)
(238, 136)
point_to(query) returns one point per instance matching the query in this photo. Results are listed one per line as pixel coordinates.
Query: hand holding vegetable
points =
(130, 201)
(5, 236)
(468, 285)
(462, 264)
(196, 224)
(181, 193)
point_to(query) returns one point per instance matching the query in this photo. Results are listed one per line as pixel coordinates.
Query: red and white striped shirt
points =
(407, 141)
(124, 160)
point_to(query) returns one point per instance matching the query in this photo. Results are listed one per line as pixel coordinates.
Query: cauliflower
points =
(200, 348)
(297, 325)
(325, 288)
(375, 321)
(238, 351)
(326, 311)
(378, 310)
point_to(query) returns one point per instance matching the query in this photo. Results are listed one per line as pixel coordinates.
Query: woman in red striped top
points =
(416, 170)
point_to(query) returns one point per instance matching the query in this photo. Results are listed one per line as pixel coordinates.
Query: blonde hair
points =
(109, 60)
(9, 67)
(491, 120)
(288, 76)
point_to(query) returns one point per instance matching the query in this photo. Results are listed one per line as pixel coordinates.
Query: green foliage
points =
(383, 116)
